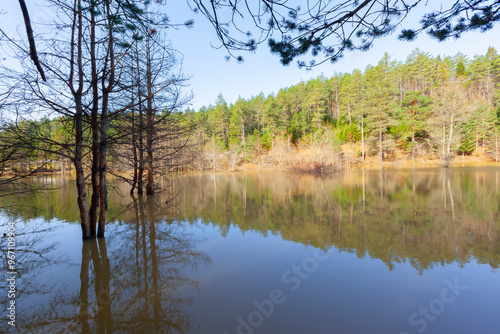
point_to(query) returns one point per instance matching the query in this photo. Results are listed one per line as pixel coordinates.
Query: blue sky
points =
(261, 71)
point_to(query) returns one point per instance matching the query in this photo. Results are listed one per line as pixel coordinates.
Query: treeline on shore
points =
(424, 107)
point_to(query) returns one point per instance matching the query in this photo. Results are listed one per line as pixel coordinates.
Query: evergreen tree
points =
(414, 113)
(221, 119)
(347, 98)
(379, 96)
(271, 119)
(239, 124)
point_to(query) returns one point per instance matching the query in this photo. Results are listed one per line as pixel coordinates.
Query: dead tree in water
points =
(80, 63)
(152, 135)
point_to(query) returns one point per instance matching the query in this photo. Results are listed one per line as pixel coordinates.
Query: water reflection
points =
(95, 251)
(128, 282)
(154, 270)
(426, 217)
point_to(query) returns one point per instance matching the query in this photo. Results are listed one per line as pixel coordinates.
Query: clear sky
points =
(261, 71)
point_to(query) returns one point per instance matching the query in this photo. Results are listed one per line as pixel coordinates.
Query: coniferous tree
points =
(379, 96)
(347, 97)
(239, 124)
(415, 109)
(220, 118)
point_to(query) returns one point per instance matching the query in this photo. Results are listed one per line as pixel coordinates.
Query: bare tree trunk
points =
(103, 145)
(140, 176)
(76, 31)
(448, 144)
(80, 178)
(94, 177)
(134, 147)
(103, 192)
(149, 120)
(138, 133)
(134, 150)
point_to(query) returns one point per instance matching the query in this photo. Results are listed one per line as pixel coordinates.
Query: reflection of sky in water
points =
(242, 237)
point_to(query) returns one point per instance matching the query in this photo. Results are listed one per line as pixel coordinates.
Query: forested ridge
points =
(426, 106)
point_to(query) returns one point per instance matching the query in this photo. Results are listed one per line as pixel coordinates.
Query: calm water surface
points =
(392, 251)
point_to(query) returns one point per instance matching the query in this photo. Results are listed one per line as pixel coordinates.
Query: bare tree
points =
(449, 114)
(152, 129)
(81, 56)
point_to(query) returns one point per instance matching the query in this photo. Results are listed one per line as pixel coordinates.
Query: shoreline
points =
(369, 164)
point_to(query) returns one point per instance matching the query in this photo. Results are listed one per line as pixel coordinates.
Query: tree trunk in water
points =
(150, 185)
(149, 133)
(134, 150)
(78, 119)
(140, 176)
(103, 191)
(103, 144)
(94, 203)
(80, 179)
(140, 132)
(82, 199)
(149, 120)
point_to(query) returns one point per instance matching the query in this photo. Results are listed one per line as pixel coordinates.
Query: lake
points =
(362, 251)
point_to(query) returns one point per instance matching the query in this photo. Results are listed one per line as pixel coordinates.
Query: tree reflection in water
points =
(137, 278)
(129, 282)
(425, 217)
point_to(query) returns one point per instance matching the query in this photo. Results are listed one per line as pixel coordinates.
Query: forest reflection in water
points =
(196, 263)
(425, 216)
(127, 282)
